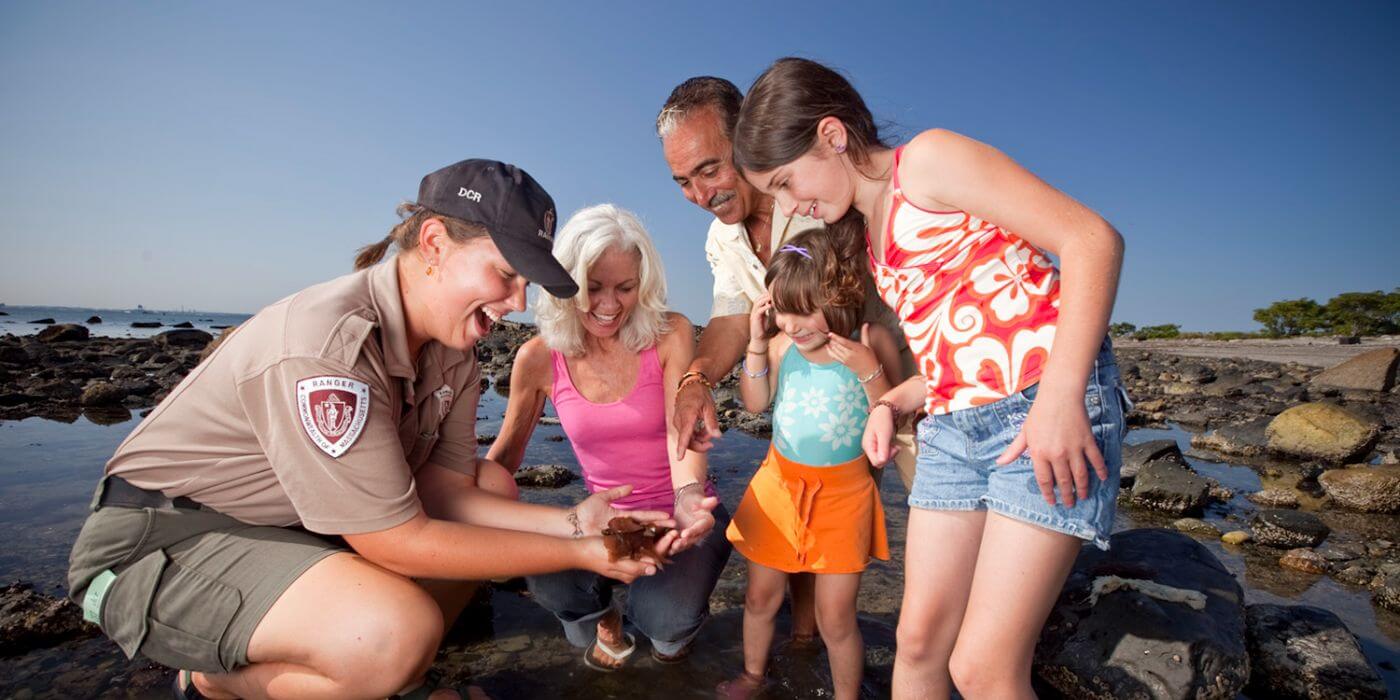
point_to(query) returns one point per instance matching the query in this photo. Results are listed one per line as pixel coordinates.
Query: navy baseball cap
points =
(515, 210)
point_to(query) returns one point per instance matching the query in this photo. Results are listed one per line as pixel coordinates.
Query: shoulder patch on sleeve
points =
(333, 410)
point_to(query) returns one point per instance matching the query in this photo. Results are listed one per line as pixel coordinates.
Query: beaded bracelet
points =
(755, 375)
(893, 409)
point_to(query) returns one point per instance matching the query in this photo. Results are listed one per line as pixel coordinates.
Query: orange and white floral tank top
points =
(977, 303)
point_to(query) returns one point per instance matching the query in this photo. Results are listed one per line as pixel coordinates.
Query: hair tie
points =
(789, 248)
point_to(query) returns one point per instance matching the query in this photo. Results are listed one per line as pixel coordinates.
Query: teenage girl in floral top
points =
(1019, 458)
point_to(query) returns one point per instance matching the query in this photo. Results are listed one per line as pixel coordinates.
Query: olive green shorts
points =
(190, 585)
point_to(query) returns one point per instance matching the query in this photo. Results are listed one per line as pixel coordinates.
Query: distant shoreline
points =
(1313, 351)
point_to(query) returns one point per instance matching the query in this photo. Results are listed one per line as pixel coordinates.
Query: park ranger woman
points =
(302, 515)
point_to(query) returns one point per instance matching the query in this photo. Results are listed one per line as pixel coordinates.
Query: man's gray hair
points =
(700, 92)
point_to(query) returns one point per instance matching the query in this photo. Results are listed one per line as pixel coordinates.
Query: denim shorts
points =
(958, 451)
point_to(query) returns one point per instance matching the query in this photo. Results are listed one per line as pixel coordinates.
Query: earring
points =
(429, 271)
(841, 148)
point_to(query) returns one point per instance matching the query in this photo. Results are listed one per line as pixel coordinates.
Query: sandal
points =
(184, 688)
(619, 656)
(743, 687)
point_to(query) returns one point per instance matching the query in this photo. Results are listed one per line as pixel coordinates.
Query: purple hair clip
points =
(789, 248)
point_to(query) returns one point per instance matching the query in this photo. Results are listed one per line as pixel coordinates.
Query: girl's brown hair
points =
(405, 233)
(778, 124)
(809, 274)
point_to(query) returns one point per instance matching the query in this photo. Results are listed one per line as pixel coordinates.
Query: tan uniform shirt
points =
(312, 413)
(739, 275)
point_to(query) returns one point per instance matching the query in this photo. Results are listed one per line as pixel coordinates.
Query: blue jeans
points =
(668, 607)
(956, 467)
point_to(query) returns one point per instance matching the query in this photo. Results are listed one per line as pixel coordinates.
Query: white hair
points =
(588, 234)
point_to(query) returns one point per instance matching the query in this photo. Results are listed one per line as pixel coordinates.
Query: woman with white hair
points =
(605, 358)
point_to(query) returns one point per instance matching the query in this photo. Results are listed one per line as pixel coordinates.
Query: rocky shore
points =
(1157, 616)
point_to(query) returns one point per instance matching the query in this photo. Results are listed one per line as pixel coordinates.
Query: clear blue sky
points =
(221, 155)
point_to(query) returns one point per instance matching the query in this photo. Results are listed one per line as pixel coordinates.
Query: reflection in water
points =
(514, 648)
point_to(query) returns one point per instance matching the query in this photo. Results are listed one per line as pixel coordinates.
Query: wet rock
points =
(1275, 498)
(1371, 371)
(1322, 431)
(182, 324)
(1288, 529)
(1247, 439)
(1300, 651)
(1138, 455)
(1305, 560)
(544, 476)
(184, 338)
(223, 335)
(30, 620)
(1364, 488)
(1385, 587)
(102, 394)
(1168, 622)
(548, 420)
(1170, 488)
(146, 324)
(1236, 537)
(43, 321)
(63, 331)
(757, 424)
(485, 438)
(1356, 575)
(1342, 551)
(94, 319)
(1196, 526)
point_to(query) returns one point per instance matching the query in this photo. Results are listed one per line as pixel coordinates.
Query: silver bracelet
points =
(681, 490)
(754, 375)
(872, 376)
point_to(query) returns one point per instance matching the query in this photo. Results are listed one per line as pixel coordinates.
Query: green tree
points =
(1364, 313)
(1166, 330)
(1118, 330)
(1292, 317)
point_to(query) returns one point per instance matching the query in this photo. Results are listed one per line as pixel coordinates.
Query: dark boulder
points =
(30, 620)
(63, 331)
(102, 394)
(182, 324)
(184, 338)
(1157, 616)
(1302, 652)
(1288, 529)
(544, 476)
(1170, 488)
(1135, 457)
(94, 319)
(43, 321)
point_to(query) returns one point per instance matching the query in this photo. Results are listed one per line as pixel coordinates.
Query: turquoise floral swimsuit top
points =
(819, 414)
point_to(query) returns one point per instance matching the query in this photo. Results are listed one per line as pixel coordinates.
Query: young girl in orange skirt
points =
(814, 504)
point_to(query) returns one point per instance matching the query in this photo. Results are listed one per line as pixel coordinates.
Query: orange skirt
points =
(796, 518)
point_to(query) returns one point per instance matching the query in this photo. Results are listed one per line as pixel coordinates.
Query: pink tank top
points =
(621, 442)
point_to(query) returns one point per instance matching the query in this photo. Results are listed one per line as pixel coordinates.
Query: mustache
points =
(720, 199)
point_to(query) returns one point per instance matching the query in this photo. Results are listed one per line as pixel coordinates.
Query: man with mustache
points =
(695, 127)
